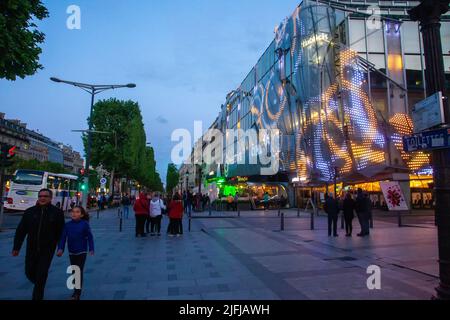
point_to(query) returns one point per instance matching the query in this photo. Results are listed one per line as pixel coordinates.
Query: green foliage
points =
(19, 38)
(34, 164)
(130, 158)
(172, 178)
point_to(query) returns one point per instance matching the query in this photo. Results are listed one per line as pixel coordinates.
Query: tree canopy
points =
(33, 164)
(19, 37)
(122, 147)
(172, 178)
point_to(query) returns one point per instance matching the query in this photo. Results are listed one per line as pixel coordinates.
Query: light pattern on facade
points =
(321, 105)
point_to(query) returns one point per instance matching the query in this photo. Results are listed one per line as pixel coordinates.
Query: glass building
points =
(339, 81)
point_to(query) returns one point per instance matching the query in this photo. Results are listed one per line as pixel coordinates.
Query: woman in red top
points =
(176, 216)
(141, 212)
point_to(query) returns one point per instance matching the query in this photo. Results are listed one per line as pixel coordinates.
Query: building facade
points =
(34, 145)
(13, 132)
(339, 82)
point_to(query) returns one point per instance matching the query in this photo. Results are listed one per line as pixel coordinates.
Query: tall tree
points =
(19, 37)
(122, 149)
(172, 178)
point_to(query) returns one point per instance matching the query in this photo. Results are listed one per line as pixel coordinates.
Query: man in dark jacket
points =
(362, 208)
(42, 225)
(331, 207)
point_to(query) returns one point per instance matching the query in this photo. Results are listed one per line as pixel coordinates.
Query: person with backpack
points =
(156, 209)
(78, 235)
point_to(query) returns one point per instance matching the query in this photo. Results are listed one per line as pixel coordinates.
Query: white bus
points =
(25, 185)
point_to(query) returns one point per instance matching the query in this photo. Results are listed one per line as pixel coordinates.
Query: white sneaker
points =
(178, 235)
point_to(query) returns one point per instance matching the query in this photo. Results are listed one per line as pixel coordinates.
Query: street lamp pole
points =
(92, 89)
(429, 13)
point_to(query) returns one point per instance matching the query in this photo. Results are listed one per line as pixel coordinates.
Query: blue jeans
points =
(126, 211)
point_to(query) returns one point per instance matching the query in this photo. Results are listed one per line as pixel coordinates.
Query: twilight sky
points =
(184, 56)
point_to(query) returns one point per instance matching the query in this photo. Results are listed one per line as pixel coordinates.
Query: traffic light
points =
(83, 187)
(82, 171)
(7, 152)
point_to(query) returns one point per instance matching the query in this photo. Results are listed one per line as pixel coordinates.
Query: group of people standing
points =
(149, 210)
(361, 205)
(197, 201)
(45, 229)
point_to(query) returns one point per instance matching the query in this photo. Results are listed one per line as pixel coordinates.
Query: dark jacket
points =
(361, 205)
(331, 206)
(43, 226)
(126, 201)
(349, 207)
(78, 235)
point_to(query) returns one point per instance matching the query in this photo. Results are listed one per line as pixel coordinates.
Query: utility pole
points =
(7, 152)
(429, 13)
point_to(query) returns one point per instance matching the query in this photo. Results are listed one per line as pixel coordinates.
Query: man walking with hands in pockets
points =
(42, 225)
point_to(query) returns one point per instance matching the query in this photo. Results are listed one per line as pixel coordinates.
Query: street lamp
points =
(93, 89)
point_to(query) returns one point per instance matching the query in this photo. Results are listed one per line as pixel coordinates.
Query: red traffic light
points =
(82, 171)
(12, 152)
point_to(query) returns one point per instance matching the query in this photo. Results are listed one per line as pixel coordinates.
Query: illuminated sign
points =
(315, 38)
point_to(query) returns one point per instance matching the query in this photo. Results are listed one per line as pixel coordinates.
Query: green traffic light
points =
(83, 187)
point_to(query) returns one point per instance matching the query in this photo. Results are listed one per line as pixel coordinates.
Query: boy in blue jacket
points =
(78, 234)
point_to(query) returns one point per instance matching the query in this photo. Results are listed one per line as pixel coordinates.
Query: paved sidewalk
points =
(240, 258)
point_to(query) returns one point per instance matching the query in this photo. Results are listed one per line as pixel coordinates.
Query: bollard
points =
(298, 212)
(190, 218)
(121, 220)
(279, 211)
(371, 221)
(98, 213)
(210, 210)
(342, 221)
(399, 219)
(282, 221)
(312, 220)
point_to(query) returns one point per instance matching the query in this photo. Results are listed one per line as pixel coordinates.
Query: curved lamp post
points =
(92, 89)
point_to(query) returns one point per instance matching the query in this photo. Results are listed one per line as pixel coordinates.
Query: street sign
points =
(428, 113)
(103, 181)
(427, 140)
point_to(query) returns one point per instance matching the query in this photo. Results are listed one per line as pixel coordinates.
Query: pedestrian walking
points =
(175, 209)
(42, 225)
(362, 209)
(79, 239)
(126, 202)
(266, 201)
(141, 211)
(331, 207)
(189, 202)
(349, 215)
(156, 208)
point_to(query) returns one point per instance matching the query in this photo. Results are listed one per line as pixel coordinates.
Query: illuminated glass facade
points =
(339, 90)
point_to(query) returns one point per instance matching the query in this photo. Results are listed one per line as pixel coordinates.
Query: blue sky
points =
(184, 56)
